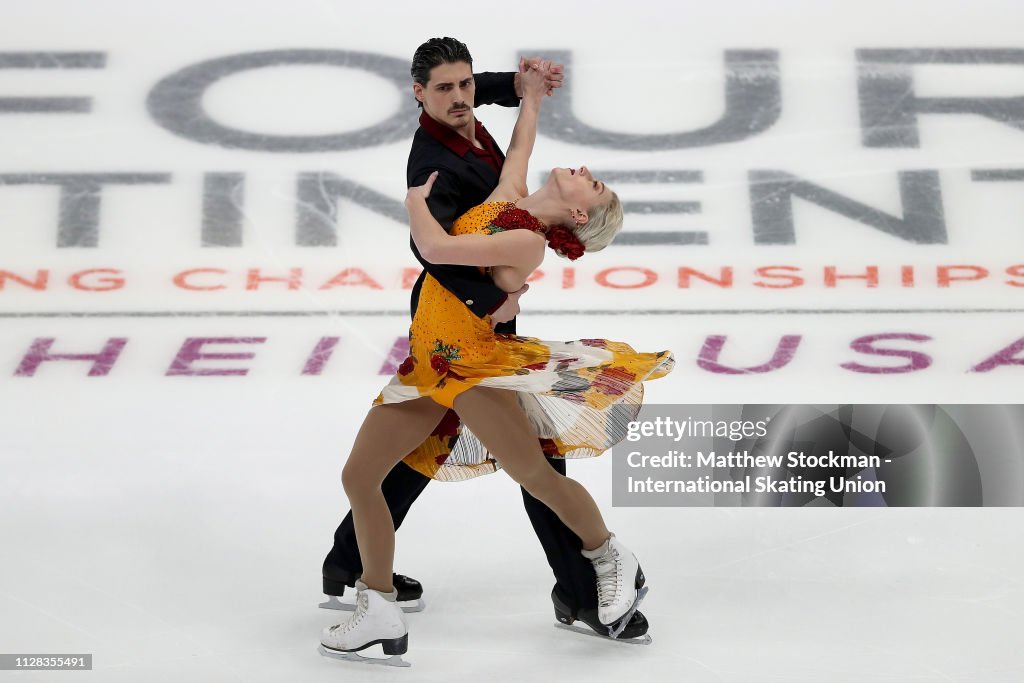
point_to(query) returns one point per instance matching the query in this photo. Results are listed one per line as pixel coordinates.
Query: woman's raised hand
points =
(420, 192)
(534, 77)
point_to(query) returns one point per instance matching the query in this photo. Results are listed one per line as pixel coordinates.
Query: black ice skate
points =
(410, 591)
(633, 633)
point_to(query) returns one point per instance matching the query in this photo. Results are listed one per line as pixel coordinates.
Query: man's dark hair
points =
(435, 52)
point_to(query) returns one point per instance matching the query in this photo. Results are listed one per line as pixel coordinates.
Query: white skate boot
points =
(620, 583)
(376, 619)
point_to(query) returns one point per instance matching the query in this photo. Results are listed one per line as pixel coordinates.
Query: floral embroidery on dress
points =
(613, 381)
(563, 364)
(441, 356)
(558, 237)
(448, 426)
(549, 447)
(513, 218)
(446, 351)
(571, 382)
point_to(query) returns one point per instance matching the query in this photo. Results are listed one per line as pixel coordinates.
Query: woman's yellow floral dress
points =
(579, 395)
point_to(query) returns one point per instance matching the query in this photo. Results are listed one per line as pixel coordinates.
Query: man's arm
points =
(496, 88)
(475, 289)
(505, 89)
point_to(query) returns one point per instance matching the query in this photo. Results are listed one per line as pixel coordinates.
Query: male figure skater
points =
(452, 141)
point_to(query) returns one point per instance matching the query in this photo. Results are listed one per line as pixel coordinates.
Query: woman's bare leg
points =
(389, 433)
(497, 419)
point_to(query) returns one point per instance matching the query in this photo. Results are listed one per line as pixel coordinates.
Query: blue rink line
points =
(404, 312)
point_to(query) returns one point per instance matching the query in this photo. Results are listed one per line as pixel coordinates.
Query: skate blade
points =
(393, 660)
(409, 606)
(642, 640)
(624, 619)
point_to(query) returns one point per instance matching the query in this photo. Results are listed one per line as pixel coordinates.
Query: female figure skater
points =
(519, 397)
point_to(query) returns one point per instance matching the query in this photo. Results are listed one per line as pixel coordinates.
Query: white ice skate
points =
(377, 619)
(620, 583)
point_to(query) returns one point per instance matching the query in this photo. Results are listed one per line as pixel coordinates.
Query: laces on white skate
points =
(620, 584)
(608, 570)
(359, 611)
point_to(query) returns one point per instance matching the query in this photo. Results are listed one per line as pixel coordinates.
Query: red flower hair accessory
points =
(565, 241)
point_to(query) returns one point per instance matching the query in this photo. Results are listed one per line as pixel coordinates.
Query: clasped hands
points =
(553, 74)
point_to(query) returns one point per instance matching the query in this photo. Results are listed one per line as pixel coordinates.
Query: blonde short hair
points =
(604, 224)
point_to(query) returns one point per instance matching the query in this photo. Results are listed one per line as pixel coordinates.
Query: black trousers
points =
(574, 575)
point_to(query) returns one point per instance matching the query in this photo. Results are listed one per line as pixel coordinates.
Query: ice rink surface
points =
(842, 180)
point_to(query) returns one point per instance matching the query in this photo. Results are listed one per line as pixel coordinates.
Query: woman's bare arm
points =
(520, 248)
(512, 182)
(511, 278)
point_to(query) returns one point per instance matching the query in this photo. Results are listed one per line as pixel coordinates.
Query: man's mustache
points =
(458, 107)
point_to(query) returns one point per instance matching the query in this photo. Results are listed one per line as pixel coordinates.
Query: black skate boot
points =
(410, 591)
(635, 631)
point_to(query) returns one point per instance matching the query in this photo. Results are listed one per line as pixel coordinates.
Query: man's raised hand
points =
(510, 308)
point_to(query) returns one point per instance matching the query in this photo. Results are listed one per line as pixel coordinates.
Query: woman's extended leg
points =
(389, 433)
(500, 423)
(497, 419)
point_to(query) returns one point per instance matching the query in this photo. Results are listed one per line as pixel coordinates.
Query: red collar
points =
(455, 142)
